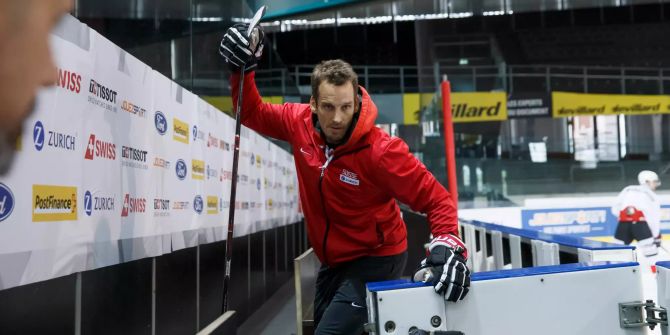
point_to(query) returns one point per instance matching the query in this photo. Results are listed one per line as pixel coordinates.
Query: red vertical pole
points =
(449, 151)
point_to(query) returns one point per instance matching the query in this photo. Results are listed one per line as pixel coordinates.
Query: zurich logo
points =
(198, 204)
(181, 169)
(6, 202)
(161, 122)
(88, 203)
(195, 132)
(38, 135)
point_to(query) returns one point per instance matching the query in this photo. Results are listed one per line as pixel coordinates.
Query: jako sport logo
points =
(55, 139)
(6, 202)
(181, 169)
(198, 204)
(161, 123)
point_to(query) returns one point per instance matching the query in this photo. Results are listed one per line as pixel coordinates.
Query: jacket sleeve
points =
(405, 178)
(268, 119)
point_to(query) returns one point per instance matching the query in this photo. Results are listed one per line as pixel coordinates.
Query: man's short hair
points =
(336, 72)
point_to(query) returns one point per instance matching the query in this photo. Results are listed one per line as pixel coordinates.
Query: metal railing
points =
(295, 80)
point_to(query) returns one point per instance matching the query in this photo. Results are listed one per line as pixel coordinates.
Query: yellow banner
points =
(181, 133)
(479, 106)
(198, 169)
(212, 204)
(566, 104)
(54, 203)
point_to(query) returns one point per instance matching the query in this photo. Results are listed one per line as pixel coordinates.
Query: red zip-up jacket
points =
(350, 206)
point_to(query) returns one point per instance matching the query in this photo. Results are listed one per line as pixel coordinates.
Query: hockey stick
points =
(236, 156)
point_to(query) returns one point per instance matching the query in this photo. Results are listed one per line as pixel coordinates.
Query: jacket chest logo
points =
(349, 177)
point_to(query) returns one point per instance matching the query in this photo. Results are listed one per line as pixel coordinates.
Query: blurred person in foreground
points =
(638, 210)
(350, 174)
(25, 64)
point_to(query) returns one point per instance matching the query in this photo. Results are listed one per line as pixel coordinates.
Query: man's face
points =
(653, 185)
(335, 110)
(25, 60)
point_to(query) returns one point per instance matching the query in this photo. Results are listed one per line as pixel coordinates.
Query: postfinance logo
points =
(212, 205)
(198, 169)
(54, 203)
(180, 129)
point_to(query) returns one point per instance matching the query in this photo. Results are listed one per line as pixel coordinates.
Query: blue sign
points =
(584, 222)
(592, 221)
(88, 203)
(181, 169)
(6, 202)
(38, 135)
(198, 204)
(161, 123)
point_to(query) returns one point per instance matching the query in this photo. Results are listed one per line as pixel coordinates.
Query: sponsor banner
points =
(124, 153)
(54, 203)
(566, 104)
(584, 222)
(528, 105)
(478, 106)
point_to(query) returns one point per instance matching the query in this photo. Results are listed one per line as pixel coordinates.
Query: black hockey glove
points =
(445, 268)
(241, 51)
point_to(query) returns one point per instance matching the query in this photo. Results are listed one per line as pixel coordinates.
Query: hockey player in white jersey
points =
(639, 212)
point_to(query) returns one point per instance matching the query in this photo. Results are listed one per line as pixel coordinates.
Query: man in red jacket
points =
(350, 174)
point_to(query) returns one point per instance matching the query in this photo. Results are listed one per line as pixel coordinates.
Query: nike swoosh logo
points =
(305, 152)
(357, 306)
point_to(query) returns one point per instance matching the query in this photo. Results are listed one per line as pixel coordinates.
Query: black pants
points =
(339, 305)
(629, 231)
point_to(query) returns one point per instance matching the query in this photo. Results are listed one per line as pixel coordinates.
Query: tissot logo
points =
(181, 169)
(198, 204)
(69, 80)
(133, 109)
(99, 148)
(133, 205)
(52, 138)
(133, 154)
(97, 203)
(161, 123)
(134, 158)
(6, 202)
(161, 207)
(102, 92)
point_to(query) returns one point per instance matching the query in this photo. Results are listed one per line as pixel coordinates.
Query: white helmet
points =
(648, 176)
